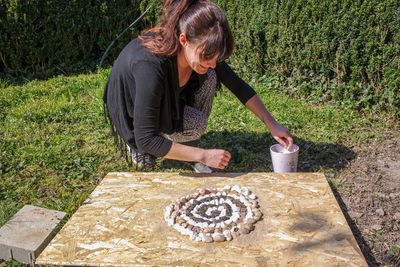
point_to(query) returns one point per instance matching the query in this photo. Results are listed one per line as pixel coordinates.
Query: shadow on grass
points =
(250, 152)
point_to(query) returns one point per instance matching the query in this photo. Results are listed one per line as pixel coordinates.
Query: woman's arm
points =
(216, 158)
(279, 132)
(249, 98)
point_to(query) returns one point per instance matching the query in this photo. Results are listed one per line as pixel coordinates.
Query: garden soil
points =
(369, 194)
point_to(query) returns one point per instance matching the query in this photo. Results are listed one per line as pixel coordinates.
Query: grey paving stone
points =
(27, 233)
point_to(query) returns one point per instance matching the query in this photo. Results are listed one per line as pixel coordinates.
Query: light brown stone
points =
(244, 230)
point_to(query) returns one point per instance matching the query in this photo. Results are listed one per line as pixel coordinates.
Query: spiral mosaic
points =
(219, 214)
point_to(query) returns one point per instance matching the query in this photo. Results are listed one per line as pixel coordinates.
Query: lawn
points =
(55, 145)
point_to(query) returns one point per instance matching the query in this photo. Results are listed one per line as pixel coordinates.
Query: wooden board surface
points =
(122, 224)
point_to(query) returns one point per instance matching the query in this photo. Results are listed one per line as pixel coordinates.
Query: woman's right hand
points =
(216, 158)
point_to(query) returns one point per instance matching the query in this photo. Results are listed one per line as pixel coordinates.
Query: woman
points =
(161, 88)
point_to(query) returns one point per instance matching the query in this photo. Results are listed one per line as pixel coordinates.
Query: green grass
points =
(55, 145)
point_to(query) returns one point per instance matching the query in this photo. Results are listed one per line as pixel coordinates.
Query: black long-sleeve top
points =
(143, 98)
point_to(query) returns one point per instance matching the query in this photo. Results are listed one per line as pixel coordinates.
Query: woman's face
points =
(192, 57)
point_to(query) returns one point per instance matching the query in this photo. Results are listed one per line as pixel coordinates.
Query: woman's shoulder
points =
(135, 58)
(136, 52)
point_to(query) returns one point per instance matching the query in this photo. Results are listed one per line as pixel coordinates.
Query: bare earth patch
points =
(370, 199)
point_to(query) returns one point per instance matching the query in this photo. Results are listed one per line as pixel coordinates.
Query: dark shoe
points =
(199, 167)
(141, 160)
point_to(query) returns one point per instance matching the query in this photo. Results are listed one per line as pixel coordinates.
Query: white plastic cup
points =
(284, 160)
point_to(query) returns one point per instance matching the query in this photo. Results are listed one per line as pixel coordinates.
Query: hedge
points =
(45, 37)
(346, 51)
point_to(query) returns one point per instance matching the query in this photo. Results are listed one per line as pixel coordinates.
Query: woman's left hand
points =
(281, 134)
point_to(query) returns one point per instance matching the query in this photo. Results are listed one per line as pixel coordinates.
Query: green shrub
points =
(45, 37)
(346, 51)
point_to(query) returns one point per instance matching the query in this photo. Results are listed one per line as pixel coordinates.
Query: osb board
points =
(122, 224)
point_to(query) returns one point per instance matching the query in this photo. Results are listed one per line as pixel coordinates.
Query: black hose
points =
(112, 43)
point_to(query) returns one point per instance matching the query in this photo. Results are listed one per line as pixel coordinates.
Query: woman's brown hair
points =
(203, 23)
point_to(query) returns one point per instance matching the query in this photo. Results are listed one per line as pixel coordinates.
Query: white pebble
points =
(235, 217)
(234, 196)
(223, 213)
(176, 227)
(168, 209)
(186, 231)
(218, 237)
(252, 196)
(236, 188)
(228, 235)
(235, 208)
(248, 217)
(202, 236)
(249, 210)
(227, 187)
(245, 191)
(193, 236)
(166, 215)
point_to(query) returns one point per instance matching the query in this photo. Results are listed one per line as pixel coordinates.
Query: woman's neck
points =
(184, 70)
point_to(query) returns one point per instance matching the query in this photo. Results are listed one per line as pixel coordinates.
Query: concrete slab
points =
(27, 233)
(122, 224)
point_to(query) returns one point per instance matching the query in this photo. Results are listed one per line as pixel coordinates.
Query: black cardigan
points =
(143, 100)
